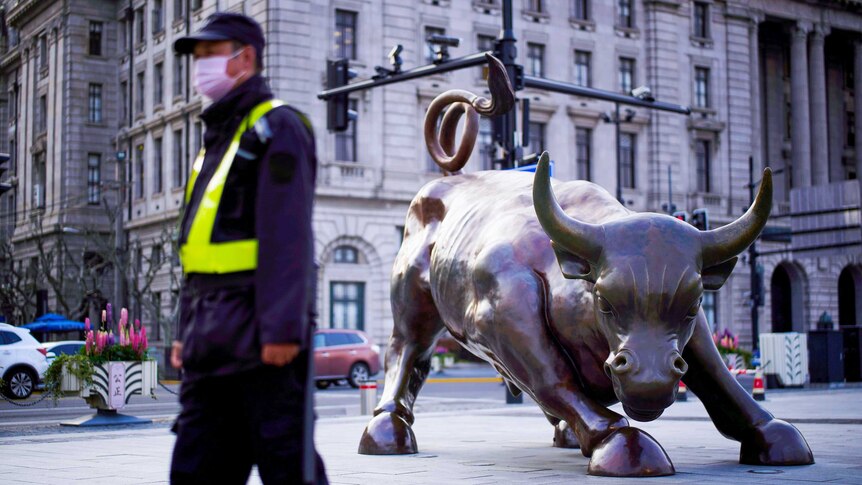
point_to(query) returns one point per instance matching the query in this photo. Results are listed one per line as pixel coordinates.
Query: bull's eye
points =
(604, 306)
(692, 312)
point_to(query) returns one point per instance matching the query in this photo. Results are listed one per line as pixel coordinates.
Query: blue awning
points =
(51, 322)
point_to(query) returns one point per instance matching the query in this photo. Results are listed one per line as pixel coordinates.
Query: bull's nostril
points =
(620, 364)
(680, 365)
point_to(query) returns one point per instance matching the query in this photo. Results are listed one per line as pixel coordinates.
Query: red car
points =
(341, 354)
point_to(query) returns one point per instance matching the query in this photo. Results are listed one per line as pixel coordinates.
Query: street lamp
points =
(615, 119)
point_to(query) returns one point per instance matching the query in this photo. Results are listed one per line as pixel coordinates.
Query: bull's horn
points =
(581, 238)
(723, 243)
(462, 102)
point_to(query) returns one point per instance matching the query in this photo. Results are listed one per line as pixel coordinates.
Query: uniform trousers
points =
(229, 423)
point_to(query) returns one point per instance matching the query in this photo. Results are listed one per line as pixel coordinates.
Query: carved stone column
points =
(857, 102)
(801, 134)
(819, 116)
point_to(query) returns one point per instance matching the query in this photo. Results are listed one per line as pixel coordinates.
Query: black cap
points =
(225, 26)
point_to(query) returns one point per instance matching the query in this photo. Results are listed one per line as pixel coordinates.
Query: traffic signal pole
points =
(505, 126)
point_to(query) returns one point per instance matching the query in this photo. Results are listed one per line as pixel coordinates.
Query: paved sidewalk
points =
(500, 445)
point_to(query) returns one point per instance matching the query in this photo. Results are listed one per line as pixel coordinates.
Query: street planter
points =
(115, 382)
(107, 372)
(448, 361)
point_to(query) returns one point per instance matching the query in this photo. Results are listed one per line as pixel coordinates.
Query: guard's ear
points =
(573, 266)
(714, 277)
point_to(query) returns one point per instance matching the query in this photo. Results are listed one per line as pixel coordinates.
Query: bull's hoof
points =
(630, 452)
(776, 443)
(388, 434)
(564, 436)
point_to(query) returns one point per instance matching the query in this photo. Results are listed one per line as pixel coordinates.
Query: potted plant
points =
(728, 346)
(110, 368)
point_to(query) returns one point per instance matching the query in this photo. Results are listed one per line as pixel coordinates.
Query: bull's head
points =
(649, 272)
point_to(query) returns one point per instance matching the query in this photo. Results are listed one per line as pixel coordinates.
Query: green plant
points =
(78, 365)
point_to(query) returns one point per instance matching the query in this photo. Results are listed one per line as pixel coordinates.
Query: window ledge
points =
(95, 124)
(703, 42)
(582, 24)
(43, 72)
(140, 47)
(159, 36)
(488, 9)
(627, 32)
(536, 17)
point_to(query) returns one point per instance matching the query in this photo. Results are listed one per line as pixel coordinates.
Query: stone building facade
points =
(773, 82)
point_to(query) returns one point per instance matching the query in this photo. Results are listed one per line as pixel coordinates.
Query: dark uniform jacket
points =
(268, 195)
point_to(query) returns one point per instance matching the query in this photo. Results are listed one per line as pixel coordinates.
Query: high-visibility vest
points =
(199, 254)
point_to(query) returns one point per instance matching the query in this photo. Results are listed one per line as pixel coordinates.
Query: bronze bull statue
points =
(574, 299)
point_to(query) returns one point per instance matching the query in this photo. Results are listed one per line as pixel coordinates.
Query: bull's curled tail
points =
(442, 149)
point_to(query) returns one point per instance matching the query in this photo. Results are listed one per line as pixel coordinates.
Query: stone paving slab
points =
(501, 445)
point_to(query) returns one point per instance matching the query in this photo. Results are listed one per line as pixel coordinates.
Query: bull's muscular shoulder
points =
(588, 202)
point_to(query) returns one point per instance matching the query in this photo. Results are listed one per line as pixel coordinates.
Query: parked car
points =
(23, 361)
(62, 347)
(341, 354)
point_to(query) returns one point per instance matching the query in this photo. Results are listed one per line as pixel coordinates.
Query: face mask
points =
(211, 78)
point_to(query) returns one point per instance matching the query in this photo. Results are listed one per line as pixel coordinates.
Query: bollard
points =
(682, 393)
(367, 397)
(759, 390)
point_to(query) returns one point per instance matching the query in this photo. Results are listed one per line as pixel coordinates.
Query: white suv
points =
(23, 361)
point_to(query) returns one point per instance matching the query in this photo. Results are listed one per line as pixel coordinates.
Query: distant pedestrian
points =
(244, 331)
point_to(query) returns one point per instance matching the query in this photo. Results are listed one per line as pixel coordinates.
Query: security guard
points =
(245, 241)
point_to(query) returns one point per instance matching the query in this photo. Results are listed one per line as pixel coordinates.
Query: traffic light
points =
(700, 219)
(5, 186)
(681, 215)
(338, 112)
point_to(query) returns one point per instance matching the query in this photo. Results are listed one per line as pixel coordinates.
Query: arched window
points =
(346, 254)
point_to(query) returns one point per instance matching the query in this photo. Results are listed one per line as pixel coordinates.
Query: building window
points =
(537, 6)
(124, 103)
(42, 115)
(95, 111)
(625, 16)
(584, 149)
(710, 308)
(14, 99)
(199, 137)
(40, 173)
(43, 51)
(701, 20)
(179, 9)
(197, 4)
(179, 78)
(627, 74)
(139, 99)
(627, 159)
(850, 129)
(581, 10)
(345, 34)
(158, 84)
(95, 41)
(701, 87)
(537, 137)
(139, 171)
(484, 43)
(347, 305)
(157, 165)
(158, 16)
(178, 159)
(702, 154)
(140, 24)
(94, 178)
(139, 259)
(430, 53)
(536, 59)
(346, 255)
(582, 68)
(486, 143)
(345, 141)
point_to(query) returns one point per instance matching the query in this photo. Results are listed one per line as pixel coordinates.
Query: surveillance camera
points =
(643, 92)
(396, 51)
